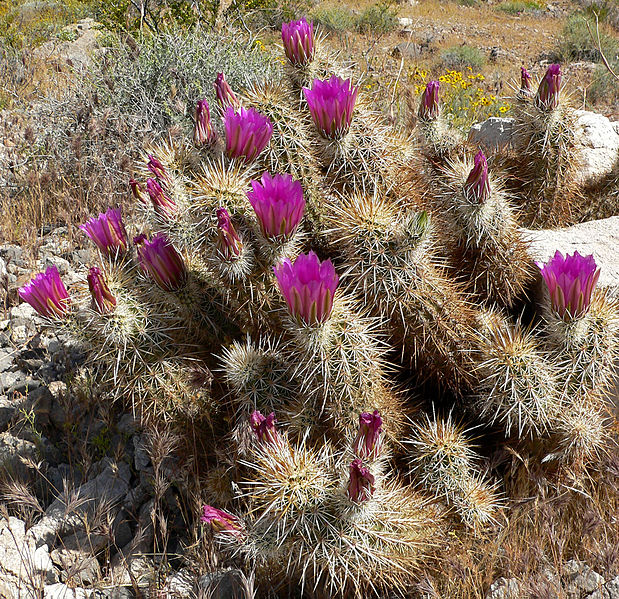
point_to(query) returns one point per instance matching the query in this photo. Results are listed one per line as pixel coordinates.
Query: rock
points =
(599, 237)
(223, 584)
(76, 53)
(66, 514)
(596, 137)
(407, 50)
(116, 592)
(14, 452)
(600, 144)
(62, 591)
(504, 588)
(180, 584)
(79, 567)
(612, 587)
(405, 22)
(579, 580)
(22, 564)
(10, 405)
(492, 134)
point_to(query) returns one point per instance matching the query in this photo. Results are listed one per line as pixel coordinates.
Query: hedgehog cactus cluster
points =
(330, 278)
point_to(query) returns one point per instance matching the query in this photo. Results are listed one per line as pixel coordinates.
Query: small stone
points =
(222, 584)
(504, 588)
(14, 452)
(62, 591)
(79, 567)
(579, 580)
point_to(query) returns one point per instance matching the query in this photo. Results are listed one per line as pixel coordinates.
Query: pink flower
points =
(570, 281)
(361, 482)
(547, 97)
(162, 262)
(138, 191)
(221, 521)
(163, 204)
(154, 166)
(298, 38)
(308, 287)
(331, 104)
(107, 231)
(525, 82)
(203, 132)
(229, 243)
(264, 427)
(279, 204)
(369, 442)
(102, 299)
(429, 108)
(224, 93)
(477, 186)
(47, 294)
(247, 133)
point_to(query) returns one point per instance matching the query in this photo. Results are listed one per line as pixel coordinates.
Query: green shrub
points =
(270, 13)
(458, 58)
(160, 84)
(577, 43)
(517, 6)
(378, 19)
(335, 19)
(604, 88)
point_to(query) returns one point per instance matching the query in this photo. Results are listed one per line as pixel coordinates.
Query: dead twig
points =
(596, 37)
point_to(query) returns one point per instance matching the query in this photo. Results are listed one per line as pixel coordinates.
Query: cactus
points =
(298, 290)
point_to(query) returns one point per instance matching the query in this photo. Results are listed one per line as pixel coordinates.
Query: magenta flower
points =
(203, 132)
(162, 203)
(361, 482)
(525, 82)
(264, 427)
(102, 299)
(547, 97)
(138, 192)
(221, 521)
(47, 294)
(107, 231)
(429, 108)
(298, 38)
(308, 287)
(331, 104)
(162, 262)
(279, 204)
(571, 281)
(477, 186)
(229, 243)
(224, 93)
(154, 166)
(247, 133)
(369, 441)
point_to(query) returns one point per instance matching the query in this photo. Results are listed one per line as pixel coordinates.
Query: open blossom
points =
(298, 39)
(369, 440)
(162, 203)
(331, 104)
(247, 133)
(154, 166)
(429, 108)
(279, 204)
(525, 82)
(361, 482)
(107, 231)
(570, 281)
(477, 186)
(46, 293)
(264, 427)
(229, 243)
(224, 93)
(203, 132)
(221, 521)
(547, 97)
(161, 261)
(102, 299)
(308, 286)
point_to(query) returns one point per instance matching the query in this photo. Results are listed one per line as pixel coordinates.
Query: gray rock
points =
(10, 407)
(492, 134)
(62, 591)
(79, 567)
(180, 584)
(141, 457)
(504, 588)
(613, 588)
(7, 357)
(14, 452)
(116, 592)
(66, 514)
(23, 566)
(600, 238)
(580, 580)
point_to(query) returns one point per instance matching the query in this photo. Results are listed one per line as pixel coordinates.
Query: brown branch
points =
(599, 42)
